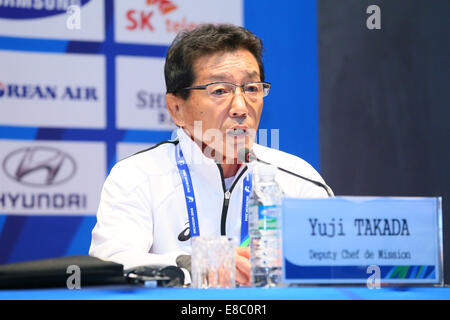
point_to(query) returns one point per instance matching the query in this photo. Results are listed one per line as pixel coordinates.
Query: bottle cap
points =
(266, 170)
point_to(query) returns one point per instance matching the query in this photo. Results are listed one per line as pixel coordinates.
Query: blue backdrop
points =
(288, 30)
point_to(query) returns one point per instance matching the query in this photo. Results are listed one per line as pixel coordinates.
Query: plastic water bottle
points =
(264, 227)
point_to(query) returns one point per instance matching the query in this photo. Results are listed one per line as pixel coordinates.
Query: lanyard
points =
(191, 206)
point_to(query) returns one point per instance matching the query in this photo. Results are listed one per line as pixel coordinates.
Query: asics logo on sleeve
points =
(185, 234)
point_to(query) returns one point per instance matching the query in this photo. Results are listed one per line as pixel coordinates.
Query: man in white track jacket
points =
(215, 89)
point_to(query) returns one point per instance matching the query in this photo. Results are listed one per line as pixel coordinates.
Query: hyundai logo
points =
(39, 166)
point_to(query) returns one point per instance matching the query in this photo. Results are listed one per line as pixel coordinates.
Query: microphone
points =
(184, 261)
(246, 155)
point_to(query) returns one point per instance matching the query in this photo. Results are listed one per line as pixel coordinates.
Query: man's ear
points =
(174, 105)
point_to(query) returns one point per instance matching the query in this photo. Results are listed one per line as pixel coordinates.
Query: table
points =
(291, 293)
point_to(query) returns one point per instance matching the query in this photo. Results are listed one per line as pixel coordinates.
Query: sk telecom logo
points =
(164, 6)
(39, 166)
(141, 19)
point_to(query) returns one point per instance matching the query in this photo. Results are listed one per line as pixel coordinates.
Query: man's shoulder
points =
(156, 160)
(163, 149)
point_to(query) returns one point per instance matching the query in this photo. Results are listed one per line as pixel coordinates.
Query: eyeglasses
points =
(224, 90)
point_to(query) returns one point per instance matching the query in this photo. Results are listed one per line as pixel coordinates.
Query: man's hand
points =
(242, 256)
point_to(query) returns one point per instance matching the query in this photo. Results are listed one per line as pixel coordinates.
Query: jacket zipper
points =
(226, 199)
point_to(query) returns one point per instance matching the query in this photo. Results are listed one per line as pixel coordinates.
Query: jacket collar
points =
(192, 152)
(199, 163)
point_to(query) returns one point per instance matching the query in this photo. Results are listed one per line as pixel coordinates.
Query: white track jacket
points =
(142, 217)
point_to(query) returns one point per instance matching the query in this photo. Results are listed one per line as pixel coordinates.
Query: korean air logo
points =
(33, 9)
(190, 199)
(247, 189)
(39, 166)
(37, 91)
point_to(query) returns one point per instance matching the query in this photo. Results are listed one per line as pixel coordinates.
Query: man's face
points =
(223, 125)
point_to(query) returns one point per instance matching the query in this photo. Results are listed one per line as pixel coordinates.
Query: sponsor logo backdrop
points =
(83, 88)
(141, 94)
(79, 90)
(52, 90)
(51, 177)
(44, 18)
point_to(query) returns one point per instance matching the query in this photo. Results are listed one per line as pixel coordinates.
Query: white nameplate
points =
(352, 239)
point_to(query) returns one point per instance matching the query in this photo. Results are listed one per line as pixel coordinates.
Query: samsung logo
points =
(31, 9)
(47, 92)
(39, 166)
